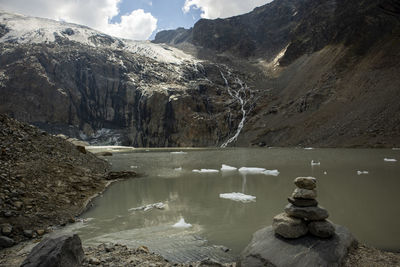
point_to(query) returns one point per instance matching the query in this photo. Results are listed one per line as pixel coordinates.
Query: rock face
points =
(313, 63)
(267, 249)
(132, 93)
(62, 251)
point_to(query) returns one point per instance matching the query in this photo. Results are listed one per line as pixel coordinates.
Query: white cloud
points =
(212, 9)
(96, 14)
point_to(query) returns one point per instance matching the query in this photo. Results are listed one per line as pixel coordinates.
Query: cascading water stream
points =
(236, 96)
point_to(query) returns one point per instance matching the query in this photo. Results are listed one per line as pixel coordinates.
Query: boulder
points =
(310, 213)
(323, 229)
(268, 249)
(6, 242)
(289, 227)
(62, 251)
(304, 193)
(300, 202)
(306, 182)
(6, 229)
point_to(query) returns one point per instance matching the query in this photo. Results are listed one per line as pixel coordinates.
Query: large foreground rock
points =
(268, 249)
(60, 251)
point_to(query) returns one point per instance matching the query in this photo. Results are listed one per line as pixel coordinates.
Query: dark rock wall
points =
(149, 103)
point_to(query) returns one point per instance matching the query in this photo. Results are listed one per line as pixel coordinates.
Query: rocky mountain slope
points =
(289, 73)
(45, 181)
(326, 71)
(71, 79)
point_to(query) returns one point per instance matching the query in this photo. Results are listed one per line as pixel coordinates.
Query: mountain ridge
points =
(254, 91)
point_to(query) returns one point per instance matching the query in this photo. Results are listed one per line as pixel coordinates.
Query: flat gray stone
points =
(300, 202)
(289, 227)
(306, 182)
(323, 229)
(310, 213)
(304, 193)
(268, 249)
(62, 251)
(6, 242)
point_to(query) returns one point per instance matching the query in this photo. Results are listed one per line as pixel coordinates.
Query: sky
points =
(131, 19)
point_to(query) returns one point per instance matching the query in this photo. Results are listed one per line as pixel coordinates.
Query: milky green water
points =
(367, 204)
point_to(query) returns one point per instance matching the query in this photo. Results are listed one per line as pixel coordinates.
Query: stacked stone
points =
(303, 215)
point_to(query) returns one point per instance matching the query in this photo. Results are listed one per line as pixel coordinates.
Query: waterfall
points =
(237, 97)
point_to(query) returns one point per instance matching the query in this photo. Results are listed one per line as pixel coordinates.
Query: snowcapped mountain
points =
(69, 78)
(31, 30)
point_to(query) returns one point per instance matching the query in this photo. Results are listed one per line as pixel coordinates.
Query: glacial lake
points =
(367, 203)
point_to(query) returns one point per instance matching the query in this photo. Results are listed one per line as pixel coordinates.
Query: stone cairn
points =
(302, 214)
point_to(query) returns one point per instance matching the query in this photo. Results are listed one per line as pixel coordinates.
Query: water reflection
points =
(367, 204)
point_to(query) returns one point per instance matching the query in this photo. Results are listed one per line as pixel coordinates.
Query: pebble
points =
(6, 229)
(323, 229)
(6, 242)
(94, 261)
(304, 193)
(40, 232)
(303, 202)
(310, 213)
(306, 182)
(28, 233)
(289, 227)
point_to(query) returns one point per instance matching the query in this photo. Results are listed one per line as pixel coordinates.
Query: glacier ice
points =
(228, 168)
(182, 224)
(238, 197)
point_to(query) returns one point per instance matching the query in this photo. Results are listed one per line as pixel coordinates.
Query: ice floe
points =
(325, 173)
(315, 163)
(390, 160)
(158, 205)
(182, 224)
(362, 172)
(178, 169)
(238, 197)
(271, 172)
(225, 168)
(178, 152)
(251, 170)
(205, 171)
(308, 148)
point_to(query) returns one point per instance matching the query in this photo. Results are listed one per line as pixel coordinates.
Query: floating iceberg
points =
(308, 148)
(205, 171)
(178, 152)
(134, 167)
(389, 160)
(158, 205)
(325, 172)
(315, 163)
(182, 224)
(362, 172)
(271, 172)
(251, 170)
(178, 169)
(238, 197)
(227, 168)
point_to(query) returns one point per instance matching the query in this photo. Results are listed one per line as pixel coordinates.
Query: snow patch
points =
(238, 197)
(182, 224)
(227, 168)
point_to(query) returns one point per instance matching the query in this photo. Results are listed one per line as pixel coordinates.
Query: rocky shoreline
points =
(47, 181)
